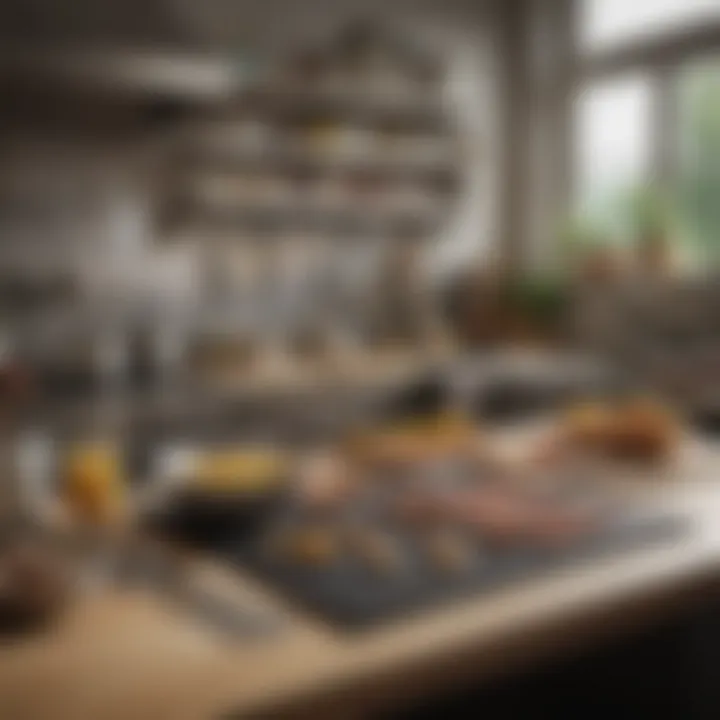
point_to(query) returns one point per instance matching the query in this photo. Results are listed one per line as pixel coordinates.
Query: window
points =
(654, 116)
(604, 23)
(613, 143)
(698, 175)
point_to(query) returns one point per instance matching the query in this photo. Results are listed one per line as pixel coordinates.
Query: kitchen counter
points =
(128, 654)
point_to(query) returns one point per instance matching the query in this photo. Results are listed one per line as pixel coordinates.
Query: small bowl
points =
(201, 510)
(200, 516)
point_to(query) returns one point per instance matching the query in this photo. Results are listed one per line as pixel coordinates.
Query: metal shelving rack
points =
(310, 154)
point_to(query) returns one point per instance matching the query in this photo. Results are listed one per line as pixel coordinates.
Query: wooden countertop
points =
(128, 654)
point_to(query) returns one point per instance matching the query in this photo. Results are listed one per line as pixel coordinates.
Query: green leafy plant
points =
(540, 298)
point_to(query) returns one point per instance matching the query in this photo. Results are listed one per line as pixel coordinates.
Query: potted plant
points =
(536, 305)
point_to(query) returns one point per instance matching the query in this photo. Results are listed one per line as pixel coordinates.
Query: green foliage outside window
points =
(699, 176)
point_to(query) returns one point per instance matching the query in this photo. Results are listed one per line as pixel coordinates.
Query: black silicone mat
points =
(350, 595)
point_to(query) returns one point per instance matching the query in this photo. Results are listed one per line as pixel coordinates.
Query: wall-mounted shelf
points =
(366, 150)
(342, 221)
(437, 167)
(153, 75)
(409, 111)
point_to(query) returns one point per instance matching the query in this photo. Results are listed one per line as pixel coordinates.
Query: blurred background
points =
(237, 191)
(231, 191)
(232, 222)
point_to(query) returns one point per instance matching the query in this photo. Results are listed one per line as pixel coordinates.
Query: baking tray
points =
(351, 596)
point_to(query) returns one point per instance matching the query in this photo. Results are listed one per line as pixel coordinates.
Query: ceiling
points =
(218, 25)
(188, 49)
(57, 21)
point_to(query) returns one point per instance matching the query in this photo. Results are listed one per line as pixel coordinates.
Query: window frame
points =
(662, 60)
